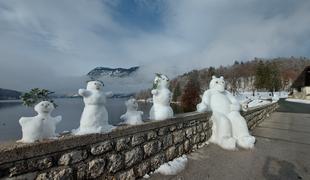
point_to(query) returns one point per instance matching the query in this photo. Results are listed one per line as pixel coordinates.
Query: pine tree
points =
(191, 94)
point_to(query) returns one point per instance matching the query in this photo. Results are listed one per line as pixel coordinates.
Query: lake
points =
(69, 109)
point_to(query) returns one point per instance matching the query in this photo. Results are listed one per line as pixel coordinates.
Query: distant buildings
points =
(301, 86)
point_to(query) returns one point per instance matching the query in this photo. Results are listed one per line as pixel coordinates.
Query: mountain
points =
(6, 94)
(99, 72)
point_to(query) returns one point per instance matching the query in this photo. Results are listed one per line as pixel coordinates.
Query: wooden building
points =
(301, 86)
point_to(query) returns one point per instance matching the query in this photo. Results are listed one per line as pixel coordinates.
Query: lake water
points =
(69, 109)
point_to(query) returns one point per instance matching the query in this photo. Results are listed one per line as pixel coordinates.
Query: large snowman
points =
(41, 126)
(94, 118)
(161, 99)
(229, 127)
(132, 115)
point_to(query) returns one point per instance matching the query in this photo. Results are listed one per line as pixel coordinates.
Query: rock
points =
(189, 132)
(122, 143)
(178, 136)
(133, 156)
(180, 126)
(56, 174)
(137, 139)
(186, 146)
(26, 176)
(72, 157)
(172, 128)
(151, 135)
(157, 160)
(101, 147)
(167, 141)
(19, 168)
(199, 127)
(115, 163)
(163, 131)
(127, 175)
(44, 163)
(142, 169)
(205, 125)
(170, 153)
(96, 167)
(180, 149)
(151, 148)
(82, 171)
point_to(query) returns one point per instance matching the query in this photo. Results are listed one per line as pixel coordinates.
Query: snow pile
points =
(132, 116)
(161, 109)
(94, 118)
(41, 126)
(229, 127)
(303, 101)
(257, 102)
(173, 167)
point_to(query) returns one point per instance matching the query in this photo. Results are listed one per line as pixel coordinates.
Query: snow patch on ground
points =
(173, 167)
(299, 101)
(259, 98)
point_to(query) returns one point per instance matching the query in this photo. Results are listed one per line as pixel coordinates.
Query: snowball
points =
(161, 109)
(132, 116)
(173, 167)
(41, 126)
(94, 118)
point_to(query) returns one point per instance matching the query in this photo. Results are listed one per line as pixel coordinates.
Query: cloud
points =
(53, 44)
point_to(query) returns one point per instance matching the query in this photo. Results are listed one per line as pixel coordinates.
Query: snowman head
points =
(131, 104)
(161, 81)
(44, 107)
(217, 84)
(95, 85)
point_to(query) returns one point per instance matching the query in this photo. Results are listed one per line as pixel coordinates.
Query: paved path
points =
(282, 152)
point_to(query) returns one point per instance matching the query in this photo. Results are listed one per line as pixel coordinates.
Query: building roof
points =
(303, 79)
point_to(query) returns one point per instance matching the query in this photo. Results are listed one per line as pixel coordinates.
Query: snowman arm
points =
(109, 94)
(122, 117)
(205, 103)
(84, 92)
(154, 91)
(206, 98)
(23, 120)
(235, 104)
(58, 119)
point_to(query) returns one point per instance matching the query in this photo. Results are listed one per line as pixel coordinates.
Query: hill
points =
(6, 94)
(241, 75)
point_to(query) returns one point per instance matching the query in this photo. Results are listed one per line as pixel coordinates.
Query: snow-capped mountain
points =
(99, 72)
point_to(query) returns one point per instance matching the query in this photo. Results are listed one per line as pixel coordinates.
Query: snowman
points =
(94, 118)
(229, 127)
(41, 126)
(132, 115)
(161, 109)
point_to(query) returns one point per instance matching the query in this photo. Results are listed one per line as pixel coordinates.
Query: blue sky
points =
(51, 44)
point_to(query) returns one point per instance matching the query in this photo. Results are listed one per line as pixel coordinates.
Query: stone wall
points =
(126, 153)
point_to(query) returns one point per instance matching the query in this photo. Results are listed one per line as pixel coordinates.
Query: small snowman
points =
(132, 115)
(161, 109)
(41, 126)
(94, 118)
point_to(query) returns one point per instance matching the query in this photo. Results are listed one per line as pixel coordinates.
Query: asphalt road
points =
(282, 152)
(286, 106)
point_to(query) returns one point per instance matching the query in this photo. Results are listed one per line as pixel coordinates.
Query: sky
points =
(52, 43)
